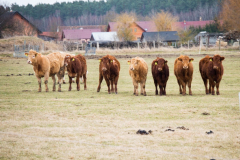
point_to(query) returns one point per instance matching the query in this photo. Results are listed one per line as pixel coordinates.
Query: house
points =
(137, 28)
(103, 28)
(14, 24)
(186, 24)
(78, 34)
(104, 36)
(50, 36)
(207, 38)
(165, 37)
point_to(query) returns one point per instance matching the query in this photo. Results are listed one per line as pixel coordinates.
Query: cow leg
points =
(205, 84)
(112, 89)
(217, 86)
(39, 84)
(85, 81)
(156, 92)
(180, 89)
(100, 81)
(70, 83)
(135, 84)
(46, 76)
(164, 89)
(161, 90)
(54, 83)
(108, 84)
(143, 88)
(115, 82)
(212, 83)
(78, 82)
(189, 87)
(183, 88)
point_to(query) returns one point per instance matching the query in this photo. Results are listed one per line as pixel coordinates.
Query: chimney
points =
(200, 19)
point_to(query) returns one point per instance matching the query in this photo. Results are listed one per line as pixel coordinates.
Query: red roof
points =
(77, 34)
(187, 24)
(148, 26)
(52, 34)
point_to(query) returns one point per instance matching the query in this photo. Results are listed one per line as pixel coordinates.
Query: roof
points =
(51, 34)
(187, 24)
(166, 36)
(9, 15)
(104, 36)
(148, 26)
(77, 34)
(101, 27)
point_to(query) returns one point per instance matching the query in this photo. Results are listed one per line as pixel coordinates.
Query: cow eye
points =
(33, 56)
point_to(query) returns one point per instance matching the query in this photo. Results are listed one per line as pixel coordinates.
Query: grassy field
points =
(90, 125)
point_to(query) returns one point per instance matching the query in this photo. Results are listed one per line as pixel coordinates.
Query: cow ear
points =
(36, 54)
(129, 62)
(222, 58)
(180, 59)
(26, 54)
(100, 60)
(165, 62)
(73, 59)
(210, 59)
(155, 62)
(191, 59)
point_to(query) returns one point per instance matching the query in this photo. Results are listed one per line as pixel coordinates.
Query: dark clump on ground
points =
(169, 130)
(143, 132)
(183, 128)
(205, 113)
(210, 132)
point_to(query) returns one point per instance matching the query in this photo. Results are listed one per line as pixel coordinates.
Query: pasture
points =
(90, 125)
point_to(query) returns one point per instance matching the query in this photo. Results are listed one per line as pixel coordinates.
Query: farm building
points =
(186, 24)
(78, 34)
(137, 28)
(207, 38)
(104, 36)
(166, 37)
(14, 24)
(50, 36)
(102, 28)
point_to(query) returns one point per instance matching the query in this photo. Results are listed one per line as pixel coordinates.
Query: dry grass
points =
(91, 125)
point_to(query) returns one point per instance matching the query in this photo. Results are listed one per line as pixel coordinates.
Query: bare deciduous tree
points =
(164, 21)
(124, 23)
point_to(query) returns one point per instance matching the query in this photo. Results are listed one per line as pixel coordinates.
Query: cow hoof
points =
(141, 93)
(59, 90)
(116, 92)
(136, 94)
(145, 94)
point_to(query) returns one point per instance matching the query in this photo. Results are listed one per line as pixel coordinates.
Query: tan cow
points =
(183, 70)
(138, 70)
(45, 66)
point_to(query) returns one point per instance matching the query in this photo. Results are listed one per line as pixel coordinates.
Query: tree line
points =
(101, 12)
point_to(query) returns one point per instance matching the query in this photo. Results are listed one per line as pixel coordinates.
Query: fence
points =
(20, 50)
(90, 50)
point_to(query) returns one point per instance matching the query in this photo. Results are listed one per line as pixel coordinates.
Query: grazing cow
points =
(211, 69)
(109, 68)
(45, 66)
(183, 70)
(76, 67)
(160, 73)
(138, 70)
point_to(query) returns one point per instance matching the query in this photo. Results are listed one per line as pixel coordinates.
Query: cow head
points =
(68, 59)
(105, 63)
(217, 61)
(32, 57)
(160, 63)
(134, 64)
(185, 61)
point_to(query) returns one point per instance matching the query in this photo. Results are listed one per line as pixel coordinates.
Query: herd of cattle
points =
(211, 70)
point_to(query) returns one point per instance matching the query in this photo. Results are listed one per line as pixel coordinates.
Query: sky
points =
(33, 2)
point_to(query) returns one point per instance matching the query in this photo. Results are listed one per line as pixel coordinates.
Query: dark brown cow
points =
(160, 73)
(211, 69)
(109, 68)
(76, 67)
(183, 70)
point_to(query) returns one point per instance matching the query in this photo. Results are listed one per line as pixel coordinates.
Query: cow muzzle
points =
(185, 67)
(29, 62)
(159, 69)
(215, 67)
(104, 69)
(132, 68)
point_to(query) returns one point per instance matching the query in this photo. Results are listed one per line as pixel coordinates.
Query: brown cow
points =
(160, 73)
(76, 67)
(109, 68)
(211, 69)
(138, 70)
(183, 70)
(45, 66)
